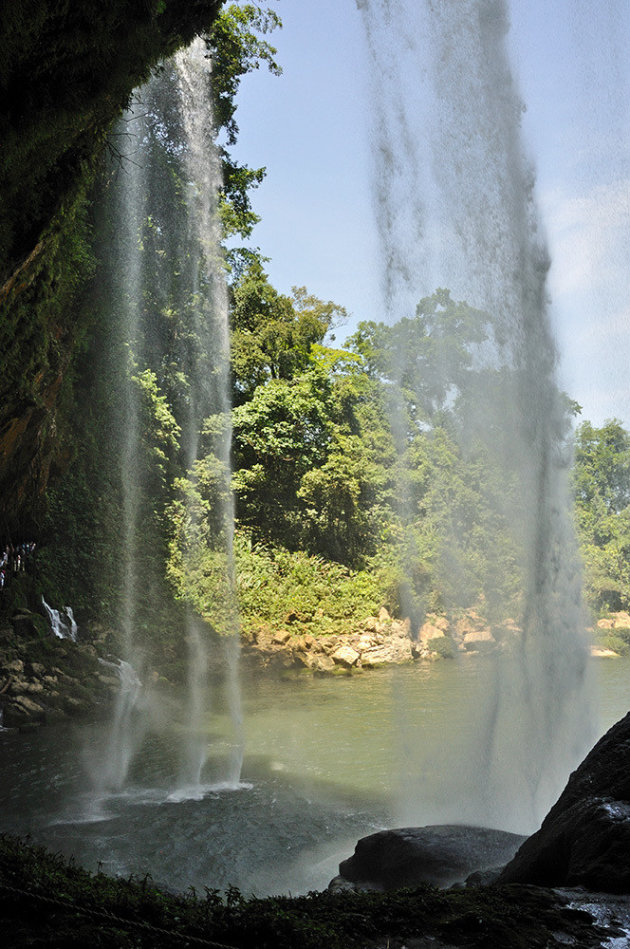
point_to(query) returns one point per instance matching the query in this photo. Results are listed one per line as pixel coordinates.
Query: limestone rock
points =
(479, 639)
(428, 632)
(22, 703)
(345, 656)
(441, 855)
(585, 838)
(365, 641)
(281, 637)
(31, 688)
(394, 650)
(383, 616)
(319, 662)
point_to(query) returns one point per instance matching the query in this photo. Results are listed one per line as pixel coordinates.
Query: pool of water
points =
(327, 761)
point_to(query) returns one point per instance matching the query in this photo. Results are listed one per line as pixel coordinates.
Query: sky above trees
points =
(311, 128)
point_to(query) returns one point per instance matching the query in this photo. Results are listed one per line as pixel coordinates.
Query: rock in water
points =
(441, 855)
(585, 838)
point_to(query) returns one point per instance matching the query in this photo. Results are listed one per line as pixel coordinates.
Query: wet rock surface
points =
(441, 855)
(44, 679)
(585, 838)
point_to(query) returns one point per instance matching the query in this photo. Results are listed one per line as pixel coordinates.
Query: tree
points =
(280, 434)
(601, 480)
(272, 334)
(429, 356)
(236, 47)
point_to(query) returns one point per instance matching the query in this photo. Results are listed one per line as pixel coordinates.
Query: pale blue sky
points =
(311, 129)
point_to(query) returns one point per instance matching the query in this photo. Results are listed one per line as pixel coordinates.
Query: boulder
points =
(479, 639)
(365, 641)
(585, 838)
(429, 631)
(321, 663)
(396, 649)
(440, 855)
(281, 637)
(345, 656)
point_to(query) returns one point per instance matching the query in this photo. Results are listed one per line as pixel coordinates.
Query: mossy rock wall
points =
(67, 72)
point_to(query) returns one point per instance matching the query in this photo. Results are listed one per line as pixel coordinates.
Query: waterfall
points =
(169, 308)
(455, 205)
(211, 393)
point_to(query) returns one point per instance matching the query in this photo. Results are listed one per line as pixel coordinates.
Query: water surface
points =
(327, 761)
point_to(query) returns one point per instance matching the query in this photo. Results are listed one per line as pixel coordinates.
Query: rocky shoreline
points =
(44, 679)
(380, 641)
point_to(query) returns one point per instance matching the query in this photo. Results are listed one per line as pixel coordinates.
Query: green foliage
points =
(67, 72)
(273, 335)
(276, 586)
(430, 356)
(318, 467)
(601, 479)
(236, 47)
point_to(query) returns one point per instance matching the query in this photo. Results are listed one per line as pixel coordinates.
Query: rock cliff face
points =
(66, 73)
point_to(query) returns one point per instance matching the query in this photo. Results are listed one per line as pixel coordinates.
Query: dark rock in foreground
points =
(440, 855)
(585, 838)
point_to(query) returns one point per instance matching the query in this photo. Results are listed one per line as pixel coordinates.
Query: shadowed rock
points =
(585, 838)
(441, 855)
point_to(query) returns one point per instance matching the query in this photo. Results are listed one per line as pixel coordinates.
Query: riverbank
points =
(381, 640)
(44, 679)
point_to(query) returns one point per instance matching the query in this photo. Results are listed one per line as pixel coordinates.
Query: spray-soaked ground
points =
(320, 771)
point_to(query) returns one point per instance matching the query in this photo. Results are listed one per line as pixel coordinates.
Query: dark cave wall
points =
(67, 71)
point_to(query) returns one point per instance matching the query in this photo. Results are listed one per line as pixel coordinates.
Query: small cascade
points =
(64, 627)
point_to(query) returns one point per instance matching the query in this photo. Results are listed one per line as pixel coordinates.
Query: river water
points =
(327, 761)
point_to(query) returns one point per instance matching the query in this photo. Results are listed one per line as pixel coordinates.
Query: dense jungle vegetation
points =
(327, 492)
